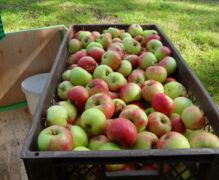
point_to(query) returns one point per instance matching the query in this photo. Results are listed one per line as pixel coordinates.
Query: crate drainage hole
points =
(37, 154)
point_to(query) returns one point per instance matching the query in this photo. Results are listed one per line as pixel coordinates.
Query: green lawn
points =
(193, 26)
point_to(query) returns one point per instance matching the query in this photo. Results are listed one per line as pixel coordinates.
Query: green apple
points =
(153, 45)
(79, 136)
(63, 89)
(109, 146)
(169, 64)
(148, 111)
(105, 40)
(124, 35)
(82, 34)
(135, 30)
(131, 46)
(111, 59)
(174, 89)
(162, 52)
(57, 115)
(115, 32)
(79, 76)
(157, 73)
(81, 148)
(66, 75)
(97, 141)
(71, 110)
(181, 104)
(130, 92)
(94, 44)
(102, 71)
(115, 81)
(147, 33)
(85, 40)
(125, 68)
(147, 59)
(74, 45)
(93, 121)
(119, 106)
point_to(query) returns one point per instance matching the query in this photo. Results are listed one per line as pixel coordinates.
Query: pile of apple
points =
(118, 93)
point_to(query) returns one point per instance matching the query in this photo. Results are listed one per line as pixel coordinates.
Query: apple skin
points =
(78, 95)
(82, 34)
(137, 76)
(63, 88)
(130, 92)
(74, 58)
(115, 32)
(95, 34)
(87, 63)
(102, 71)
(148, 111)
(97, 141)
(145, 140)
(72, 66)
(131, 46)
(66, 75)
(147, 33)
(119, 105)
(96, 53)
(147, 59)
(177, 124)
(162, 52)
(94, 44)
(135, 30)
(71, 110)
(153, 45)
(148, 38)
(172, 140)
(117, 48)
(55, 138)
(113, 95)
(97, 86)
(57, 115)
(139, 104)
(131, 106)
(111, 59)
(122, 131)
(163, 103)
(87, 40)
(115, 81)
(116, 40)
(151, 88)
(102, 102)
(169, 64)
(74, 45)
(193, 118)
(137, 116)
(157, 73)
(81, 148)
(133, 59)
(203, 139)
(79, 136)
(79, 76)
(124, 35)
(125, 68)
(93, 121)
(169, 79)
(174, 89)
(105, 40)
(181, 104)
(158, 123)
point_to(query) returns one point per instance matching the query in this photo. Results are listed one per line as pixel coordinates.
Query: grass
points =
(193, 26)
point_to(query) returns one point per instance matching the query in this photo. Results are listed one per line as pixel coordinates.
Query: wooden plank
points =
(13, 128)
(23, 54)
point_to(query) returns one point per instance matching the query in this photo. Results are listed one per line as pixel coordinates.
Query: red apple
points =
(97, 86)
(177, 124)
(157, 73)
(112, 59)
(133, 59)
(162, 52)
(87, 63)
(137, 76)
(119, 106)
(147, 39)
(74, 58)
(95, 34)
(115, 47)
(96, 53)
(139, 104)
(113, 95)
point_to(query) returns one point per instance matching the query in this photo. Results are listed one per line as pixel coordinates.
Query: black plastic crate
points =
(200, 163)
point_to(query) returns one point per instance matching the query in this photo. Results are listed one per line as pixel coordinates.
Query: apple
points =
(163, 103)
(181, 104)
(151, 88)
(131, 46)
(139, 38)
(113, 95)
(81, 148)
(74, 58)
(147, 59)
(116, 40)
(96, 53)
(157, 73)
(122, 131)
(125, 68)
(115, 81)
(71, 110)
(112, 59)
(109, 146)
(87, 63)
(169, 64)
(174, 89)
(148, 111)
(95, 34)
(130, 92)
(94, 44)
(82, 34)
(74, 45)
(63, 88)
(57, 115)
(79, 136)
(79, 76)
(145, 140)
(119, 105)
(149, 38)
(169, 79)
(135, 30)
(137, 116)
(133, 59)
(131, 106)
(193, 118)
(158, 123)
(137, 76)
(172, 140)
(117, 48)
(93, 121)
(78, 95)
(97, 86)
(72, 66)
(102, 71)
(139, 104)
(102, 102)
(115, 32)
(55, 138)
(85, 40)
(66, 75)
(153, 45)
(177, 124)
(147, 33)
(124, 35)
(97, 141)
(162, 52)
(203, 139)
(105, 40)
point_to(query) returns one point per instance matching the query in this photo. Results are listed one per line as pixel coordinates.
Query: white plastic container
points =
(32, 88)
